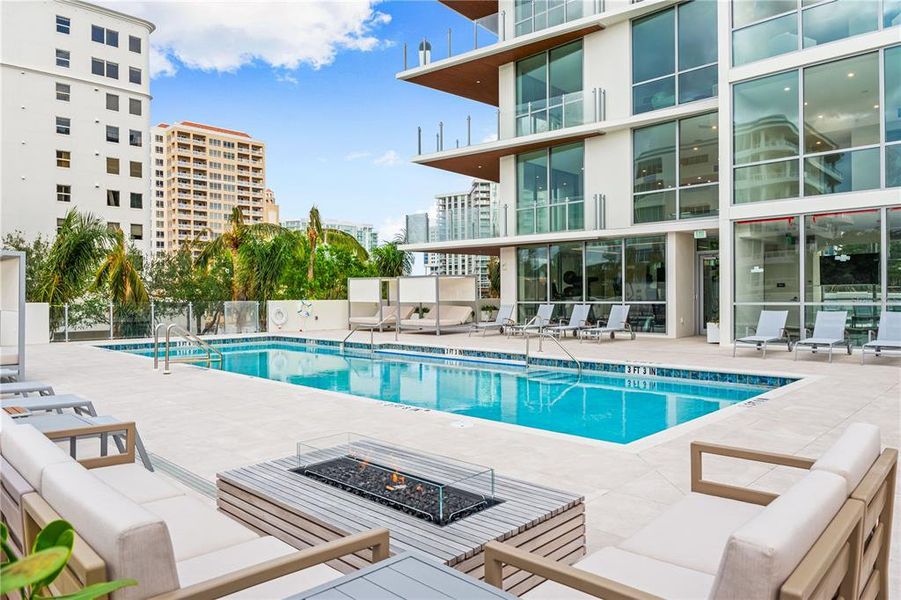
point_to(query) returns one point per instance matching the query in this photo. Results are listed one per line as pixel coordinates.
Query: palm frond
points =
(342, 239)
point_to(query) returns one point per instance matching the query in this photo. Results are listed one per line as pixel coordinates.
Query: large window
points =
(674, 56)
(676, 170)
(765, 28)
(594, 272)
(838, 148)
(535, 15)
(809, 263)
(892, 112)
(549, 194)
(549, 90)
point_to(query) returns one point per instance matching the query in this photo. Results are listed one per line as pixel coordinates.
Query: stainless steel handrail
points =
(544, 335)
(356, 329)
(156, 345)
(189, 337)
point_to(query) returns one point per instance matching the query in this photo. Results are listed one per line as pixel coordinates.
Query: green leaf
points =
(57, 534)
(4, 532)
(8, 555)
(32, 569)
(94, 591)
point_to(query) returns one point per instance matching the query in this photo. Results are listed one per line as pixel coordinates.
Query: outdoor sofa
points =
(828, 535)
(132, 523)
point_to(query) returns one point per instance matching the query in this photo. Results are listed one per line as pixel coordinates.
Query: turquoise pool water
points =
(602, 406)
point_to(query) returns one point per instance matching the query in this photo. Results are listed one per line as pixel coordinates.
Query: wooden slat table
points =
(405, 577)
(271, 499)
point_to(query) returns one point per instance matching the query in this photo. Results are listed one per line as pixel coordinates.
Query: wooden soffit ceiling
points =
(472, 9)
(477, 79)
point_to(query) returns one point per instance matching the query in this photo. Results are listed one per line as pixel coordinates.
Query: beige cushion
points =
(197, 528)
(694, 532)
(647, 574)
(207, 566)
(29, 451)
(852, 455)
(133, 542)
(137, 483)
(762, 553)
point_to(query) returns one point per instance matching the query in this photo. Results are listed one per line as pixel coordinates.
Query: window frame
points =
(63, 56)
(63, 22)
(63, 125)
(108, 96)
(131, 169)
(134, 73)
(131, 45)
(132, 138)
(64, 156)
(113, 163)
(63, 92)
(63, 195)
(140, 200)
(113, 198)
(132, 102)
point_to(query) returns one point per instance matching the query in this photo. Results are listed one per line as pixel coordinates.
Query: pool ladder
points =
(212, 354)
(541, 335)
(356, 329)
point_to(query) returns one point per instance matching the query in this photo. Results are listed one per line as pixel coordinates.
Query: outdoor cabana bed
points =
(372, 303)
(12, 314)
(451, 300)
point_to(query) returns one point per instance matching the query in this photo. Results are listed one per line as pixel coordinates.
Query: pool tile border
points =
(636, 369)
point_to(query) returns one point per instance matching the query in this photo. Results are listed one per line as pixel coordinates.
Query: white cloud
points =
(286, 78)
(489, 137)
(224, 35)
(390, 228)
(389, 159)
(357, 155)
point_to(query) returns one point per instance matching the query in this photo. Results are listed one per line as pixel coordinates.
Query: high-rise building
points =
(75, 117)
(699, 161)
(462, 216)
(364, 233)
(270, 208)
(201, 174)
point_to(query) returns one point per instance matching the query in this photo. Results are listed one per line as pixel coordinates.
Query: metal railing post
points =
(110, 319)
(419, 140)
(449, 37)
(603, 104)
(498, 123)
(440, 135)
(475, 35)
(190, 314)
(468, 130)
(503, 26)
(152, 313)
(405, 56)
(66, 320)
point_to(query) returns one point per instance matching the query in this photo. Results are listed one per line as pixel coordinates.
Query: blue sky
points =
(340, 135)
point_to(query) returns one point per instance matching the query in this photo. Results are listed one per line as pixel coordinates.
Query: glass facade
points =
(765, 28)
(549, 92)
(822, 261)
(550, 190)
(817, 131)
(601, 273)
(674, 56)
(675, 170)
(535, 15)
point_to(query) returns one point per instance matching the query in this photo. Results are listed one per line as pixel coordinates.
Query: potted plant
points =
(488, 312)
(33, 573)
(713, 332)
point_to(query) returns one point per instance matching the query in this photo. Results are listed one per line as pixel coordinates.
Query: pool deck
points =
(210, 421)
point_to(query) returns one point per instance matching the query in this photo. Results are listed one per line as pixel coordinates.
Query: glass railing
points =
(466, 224)
(560, 112)
(538, 15)
(487, 31)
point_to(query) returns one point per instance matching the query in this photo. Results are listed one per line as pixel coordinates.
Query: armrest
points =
(123, 458)
(884, 469)
(498, 554)
(743, 494)
(377, 539)
(832, 564)
(871, 335)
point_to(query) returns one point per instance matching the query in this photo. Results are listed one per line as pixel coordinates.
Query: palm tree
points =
(391, 261)
(494, 277)
(120, 273)
(317, 233)
(230, 243)
(79, 247)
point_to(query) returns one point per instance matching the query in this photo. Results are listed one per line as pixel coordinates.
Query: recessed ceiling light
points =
(695, 148)
(819, 116)
(478, 81)
(787, 89)
(875, 106)
(850, 74)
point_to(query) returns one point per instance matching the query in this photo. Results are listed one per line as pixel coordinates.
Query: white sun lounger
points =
(828, 332)
(388, 318)
(51, 403)
(617, 321)
(504, 318)
(24, 388)
(536, 324)
(770, 328)
(9, 374)
(888, 336)
(577, 321)
(449, 315)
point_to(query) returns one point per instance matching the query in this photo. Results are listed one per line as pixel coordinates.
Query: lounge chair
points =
(888, 337)
(577, 321)
(130, 523)
(617, 321)
(825, 537)
(536, 324)
(504, 318)
(388, 318)
(54, 403)
(770, 328)
(828, 332)
(449, 315)
(8, 374)
(24, 388)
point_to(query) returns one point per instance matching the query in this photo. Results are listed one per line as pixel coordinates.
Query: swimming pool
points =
(601, 403)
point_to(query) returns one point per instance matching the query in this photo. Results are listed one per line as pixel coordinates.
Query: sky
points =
(316, 82)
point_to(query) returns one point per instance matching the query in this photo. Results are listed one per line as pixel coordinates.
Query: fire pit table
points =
(443, 508)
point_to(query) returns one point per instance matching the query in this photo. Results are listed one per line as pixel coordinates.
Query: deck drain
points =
(461, 424)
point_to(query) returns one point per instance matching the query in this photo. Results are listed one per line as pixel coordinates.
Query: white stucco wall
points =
(312, 315)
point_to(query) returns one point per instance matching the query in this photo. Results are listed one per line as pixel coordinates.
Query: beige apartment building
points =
(201, 173)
